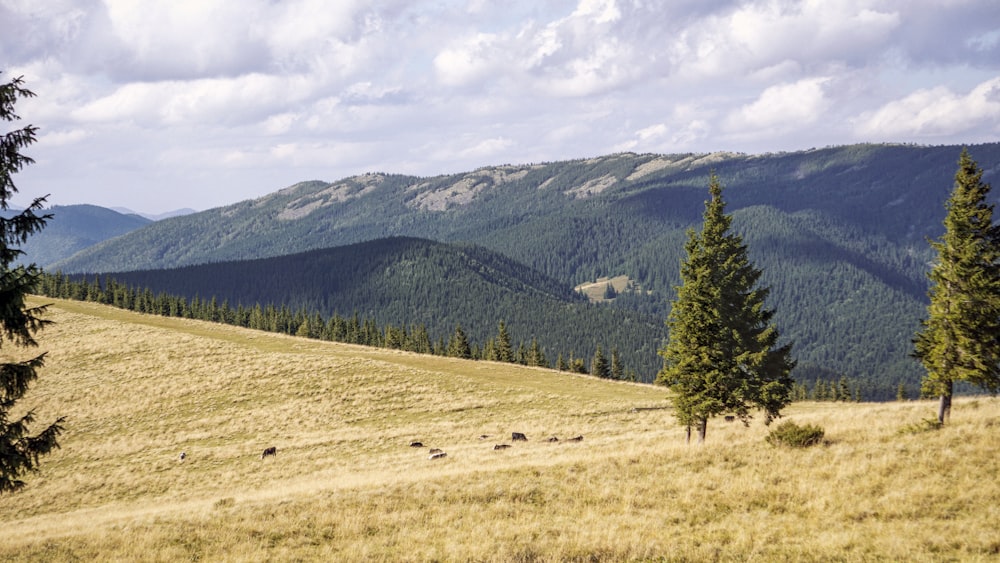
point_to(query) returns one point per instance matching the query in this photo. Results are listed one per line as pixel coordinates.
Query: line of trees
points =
(354, 329)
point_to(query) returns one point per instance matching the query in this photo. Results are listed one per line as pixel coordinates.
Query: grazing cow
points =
(501, 446)
(437, 455)
(552, 439)
(435, 451)
(182, 456)
(730, 418)
(483, 436)
(272, 451)
(518, 436)
(576, 439)
(416, 444)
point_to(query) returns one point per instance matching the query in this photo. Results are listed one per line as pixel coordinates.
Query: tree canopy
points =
(722, 354)
(960, 339)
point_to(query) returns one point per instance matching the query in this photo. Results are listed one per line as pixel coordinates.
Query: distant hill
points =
(73, 228)
(408, 281)
(840, 233)
(156, 216)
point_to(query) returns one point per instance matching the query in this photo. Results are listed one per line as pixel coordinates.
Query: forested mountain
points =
(840, 233)
(408, 282)
(73, 228)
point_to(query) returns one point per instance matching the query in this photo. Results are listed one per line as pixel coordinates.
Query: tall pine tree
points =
(960, 339)
(722, 354)
(19, 450)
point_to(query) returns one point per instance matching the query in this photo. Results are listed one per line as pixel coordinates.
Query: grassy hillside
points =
(345, 485)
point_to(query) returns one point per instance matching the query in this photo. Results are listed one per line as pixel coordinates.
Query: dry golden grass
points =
(346, 486)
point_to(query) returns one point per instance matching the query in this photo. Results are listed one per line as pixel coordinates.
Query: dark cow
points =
(483, 436)
(501, 446)
(517, 436)
(416, 444)
(576, 439)
(272, 451)
(552, 439)
(182, 456)
(730, 418)
(434, 451)
(437, 455)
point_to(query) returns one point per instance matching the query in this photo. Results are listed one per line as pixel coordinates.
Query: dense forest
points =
(406, 282)
(365, 331)
(353, 329)
(840, 234)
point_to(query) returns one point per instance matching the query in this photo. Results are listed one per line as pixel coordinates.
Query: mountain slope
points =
(75, 227)
(408, 281)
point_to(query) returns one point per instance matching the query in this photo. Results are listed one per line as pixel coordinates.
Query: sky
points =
(156, 105)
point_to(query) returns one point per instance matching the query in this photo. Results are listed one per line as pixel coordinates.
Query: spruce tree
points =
(502, 347)
(722, 355)
(599, 366)
(458, 346)
(19, 450)
(617, 371)
(536, 357)
(960, 339)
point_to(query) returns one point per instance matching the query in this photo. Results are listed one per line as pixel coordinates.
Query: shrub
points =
(790, 434)
(925, 425)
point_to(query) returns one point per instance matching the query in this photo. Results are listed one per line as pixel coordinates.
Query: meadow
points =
(346, 485)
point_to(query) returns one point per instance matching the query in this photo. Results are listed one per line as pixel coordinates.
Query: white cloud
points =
(936, 112)
(781, 107)
(182, 93)
(467, 61)
(186, 38)
(600, 11)
(215, 101)
(763, 34)
(64, 137)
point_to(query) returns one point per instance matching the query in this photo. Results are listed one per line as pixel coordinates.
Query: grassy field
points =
(345, 484)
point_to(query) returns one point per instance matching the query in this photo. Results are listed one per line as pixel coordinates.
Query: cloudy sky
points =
(159, 104)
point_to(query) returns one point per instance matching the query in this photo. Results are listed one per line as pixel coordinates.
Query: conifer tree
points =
(960, 339)
(458, 346)
(502, 347)
(617, 371)
(19, 450)
(599, 366)
(722, 355)
(536, 357)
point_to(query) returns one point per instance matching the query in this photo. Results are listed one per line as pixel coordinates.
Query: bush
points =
(925, 425)
(790, 434)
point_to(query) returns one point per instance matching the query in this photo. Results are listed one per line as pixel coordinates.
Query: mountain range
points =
(840, 233)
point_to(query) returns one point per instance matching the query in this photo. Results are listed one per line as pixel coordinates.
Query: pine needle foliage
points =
(722, 354)
(19, 450)
(960, 339)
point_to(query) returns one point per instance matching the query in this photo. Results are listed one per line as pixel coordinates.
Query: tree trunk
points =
(944, 408)
(688, 440)
(702, 426)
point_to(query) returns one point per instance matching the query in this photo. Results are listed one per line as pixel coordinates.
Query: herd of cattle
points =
(435, 453)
